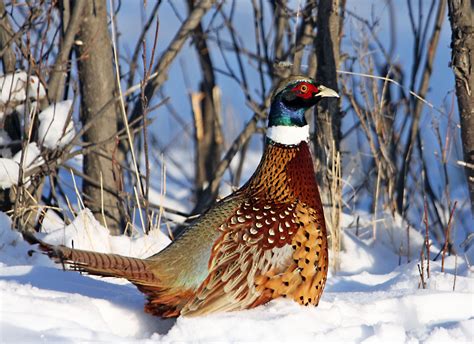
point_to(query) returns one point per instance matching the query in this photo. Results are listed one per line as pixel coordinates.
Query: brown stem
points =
(161, 69)
(57, 78)
(425, 79)
(447, 235)
(427, 239)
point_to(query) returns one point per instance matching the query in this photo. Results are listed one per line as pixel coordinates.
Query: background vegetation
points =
(169, 109)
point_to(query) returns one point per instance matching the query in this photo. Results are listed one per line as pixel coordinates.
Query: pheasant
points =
(266, 240)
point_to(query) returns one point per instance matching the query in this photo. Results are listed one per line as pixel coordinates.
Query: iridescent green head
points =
(293, 97)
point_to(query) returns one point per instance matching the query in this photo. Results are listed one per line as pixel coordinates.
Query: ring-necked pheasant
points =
(266, 240)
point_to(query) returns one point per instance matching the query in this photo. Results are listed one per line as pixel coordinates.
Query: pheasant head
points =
(286, 122)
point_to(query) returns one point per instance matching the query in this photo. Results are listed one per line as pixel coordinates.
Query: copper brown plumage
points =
(266, 240)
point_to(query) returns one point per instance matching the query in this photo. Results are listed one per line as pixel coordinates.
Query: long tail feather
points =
(163, 299)
(101, 264)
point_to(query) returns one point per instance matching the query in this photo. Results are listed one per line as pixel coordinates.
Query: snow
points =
(4, 138)
(25, 121)
(31, 156)
(14, 87)
(9, 168)
(88, 234)
(371, 299)
(56, 128)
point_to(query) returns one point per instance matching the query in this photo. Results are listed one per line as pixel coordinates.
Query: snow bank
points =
(56, 128)
(371, 300)
(14, 251)
(88, 234)
(351, 317)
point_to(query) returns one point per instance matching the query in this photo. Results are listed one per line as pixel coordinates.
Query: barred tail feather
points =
(163, 299)
(101, 264)
(94, 263)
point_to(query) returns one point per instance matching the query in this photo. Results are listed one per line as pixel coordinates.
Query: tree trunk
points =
(8, 57)
(327, 117)
(462, 61)
(11, 123)
(97, 85)
(207, 123)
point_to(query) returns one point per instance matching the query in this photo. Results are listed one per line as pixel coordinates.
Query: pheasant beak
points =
(326, 92)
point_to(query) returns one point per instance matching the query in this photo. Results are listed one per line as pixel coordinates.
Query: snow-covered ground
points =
(372, 299)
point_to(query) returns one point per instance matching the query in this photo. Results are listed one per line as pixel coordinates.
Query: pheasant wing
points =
(254, 242)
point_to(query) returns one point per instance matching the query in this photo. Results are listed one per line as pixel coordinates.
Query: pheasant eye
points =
(304, 88)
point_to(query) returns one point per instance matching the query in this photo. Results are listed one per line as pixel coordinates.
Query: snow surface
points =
(56, 128)
(371, 300)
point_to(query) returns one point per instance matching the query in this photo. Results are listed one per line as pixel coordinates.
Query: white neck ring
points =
(288, 135)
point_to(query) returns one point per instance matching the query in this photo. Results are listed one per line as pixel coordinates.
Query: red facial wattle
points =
(305, 90)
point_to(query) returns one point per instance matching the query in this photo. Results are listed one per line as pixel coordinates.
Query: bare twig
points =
(408, 244)
(136, 52)
(422, 276)
(427, 239)
(161, 69)
(447, 235)
(387, 79)
(123, 111)
(57, 80)
(426, 75)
